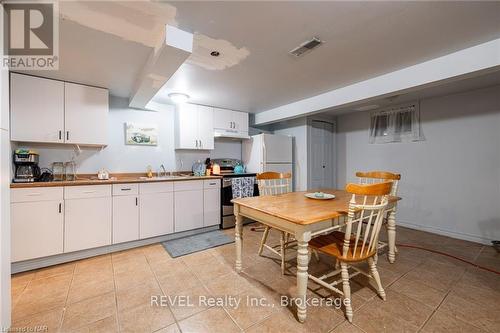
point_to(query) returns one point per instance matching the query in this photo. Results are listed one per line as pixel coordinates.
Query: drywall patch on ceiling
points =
(203, 45)
(139, 21)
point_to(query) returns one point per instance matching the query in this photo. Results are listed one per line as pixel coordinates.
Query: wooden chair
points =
(274, 183)
(373, 177)
(358, 243)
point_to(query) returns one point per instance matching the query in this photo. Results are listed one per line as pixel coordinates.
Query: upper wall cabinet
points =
(37, 109)
(194, 127)
(230, 124)
(50, 111)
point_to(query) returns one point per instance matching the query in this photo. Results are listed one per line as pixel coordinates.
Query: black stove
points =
(227, 172)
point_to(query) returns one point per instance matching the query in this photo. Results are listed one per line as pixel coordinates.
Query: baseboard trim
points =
(452, 234)
(27, 265)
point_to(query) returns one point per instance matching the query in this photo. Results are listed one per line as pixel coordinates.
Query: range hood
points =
(230, 133)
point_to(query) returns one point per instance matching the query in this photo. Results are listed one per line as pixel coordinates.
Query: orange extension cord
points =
(449, 255)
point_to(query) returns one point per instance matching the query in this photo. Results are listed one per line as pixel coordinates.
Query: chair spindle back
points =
(374, 177)
(364, 219)
(274, 183)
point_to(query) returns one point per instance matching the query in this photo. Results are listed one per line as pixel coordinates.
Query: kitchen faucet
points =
(162, 168)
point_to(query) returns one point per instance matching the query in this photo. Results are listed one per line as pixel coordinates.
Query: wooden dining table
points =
(300, 216)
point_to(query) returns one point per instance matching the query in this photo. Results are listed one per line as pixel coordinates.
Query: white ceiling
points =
(107, 44)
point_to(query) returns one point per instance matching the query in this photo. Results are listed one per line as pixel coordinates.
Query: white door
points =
(156, 214)
(211, 207)
(87, 223)
(186, 126)
(36, 229)
(223, 118)
(277, 148)
(205, 127)
(321, 155)
(240, 120)
(36, 109)
(188, 210)
(125, 218)
(86, 114)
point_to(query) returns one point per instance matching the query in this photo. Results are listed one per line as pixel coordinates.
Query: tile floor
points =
(112, 293)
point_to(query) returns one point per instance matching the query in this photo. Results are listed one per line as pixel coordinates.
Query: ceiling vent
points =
(305, 47)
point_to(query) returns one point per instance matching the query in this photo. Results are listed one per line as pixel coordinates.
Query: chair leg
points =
(376, 276)
(316, 255)
(375, 258)
(347, 291)
(282, 251)
(263, 240)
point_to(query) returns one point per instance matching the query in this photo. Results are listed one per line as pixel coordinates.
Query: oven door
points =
(228, 219)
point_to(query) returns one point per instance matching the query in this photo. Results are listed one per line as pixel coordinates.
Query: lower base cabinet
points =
(36, 229)
(188, 210)
(125, 218)
(156, 214)
(211, 207)
(87, 223)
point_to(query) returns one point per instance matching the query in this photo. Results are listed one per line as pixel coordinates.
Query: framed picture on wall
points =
(141, 134)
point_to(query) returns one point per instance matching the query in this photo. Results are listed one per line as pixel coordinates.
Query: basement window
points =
(396, 124)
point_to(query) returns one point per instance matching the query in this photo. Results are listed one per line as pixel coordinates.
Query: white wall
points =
(451, 181)
(118, 157)
(297, 128)
(5, 304)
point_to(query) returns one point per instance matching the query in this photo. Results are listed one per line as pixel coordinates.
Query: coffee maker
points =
(26, 166)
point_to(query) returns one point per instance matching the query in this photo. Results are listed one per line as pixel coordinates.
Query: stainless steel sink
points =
(163, 177)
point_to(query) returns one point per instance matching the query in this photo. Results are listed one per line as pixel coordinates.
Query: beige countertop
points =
(114, 179)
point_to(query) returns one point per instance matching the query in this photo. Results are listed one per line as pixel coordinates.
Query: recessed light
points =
(215, 53)
(178, 98)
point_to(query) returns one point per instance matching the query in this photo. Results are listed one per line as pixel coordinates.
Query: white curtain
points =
(396, 124)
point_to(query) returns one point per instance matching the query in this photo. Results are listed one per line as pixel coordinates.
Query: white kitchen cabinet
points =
(229, 123)
(194, 127)
(125, 213)
(206, 127)
(87, 217)
(36, 109)
(86, 114)
(211, 203)
(51, 111)
(188, 205)
(156, 202)
(37, 222)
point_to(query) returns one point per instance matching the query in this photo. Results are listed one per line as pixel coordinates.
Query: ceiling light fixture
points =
(178, 98)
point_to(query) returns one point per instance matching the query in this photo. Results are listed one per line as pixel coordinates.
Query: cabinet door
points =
(206, 127)
(87, 223)
(223, 118)
(36, 229)
(188, 210)
(86, 114)
(156, 214)
(211, 207)
(186, 127)
(36, 109)
(125, 218)
(240, 120)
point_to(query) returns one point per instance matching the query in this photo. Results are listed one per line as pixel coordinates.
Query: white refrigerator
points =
(268, 152)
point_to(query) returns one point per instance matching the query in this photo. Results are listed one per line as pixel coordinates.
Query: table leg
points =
(391, 235)
(237, 239)
(302, 274)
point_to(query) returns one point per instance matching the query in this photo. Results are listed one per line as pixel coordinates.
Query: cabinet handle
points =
(34, 194)
(88, 192)
(60, 208)
(136, 201)
(60, 135)
(67, 135)
(212, 183)
(201, 144)
(196, 143)
(126, 189)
